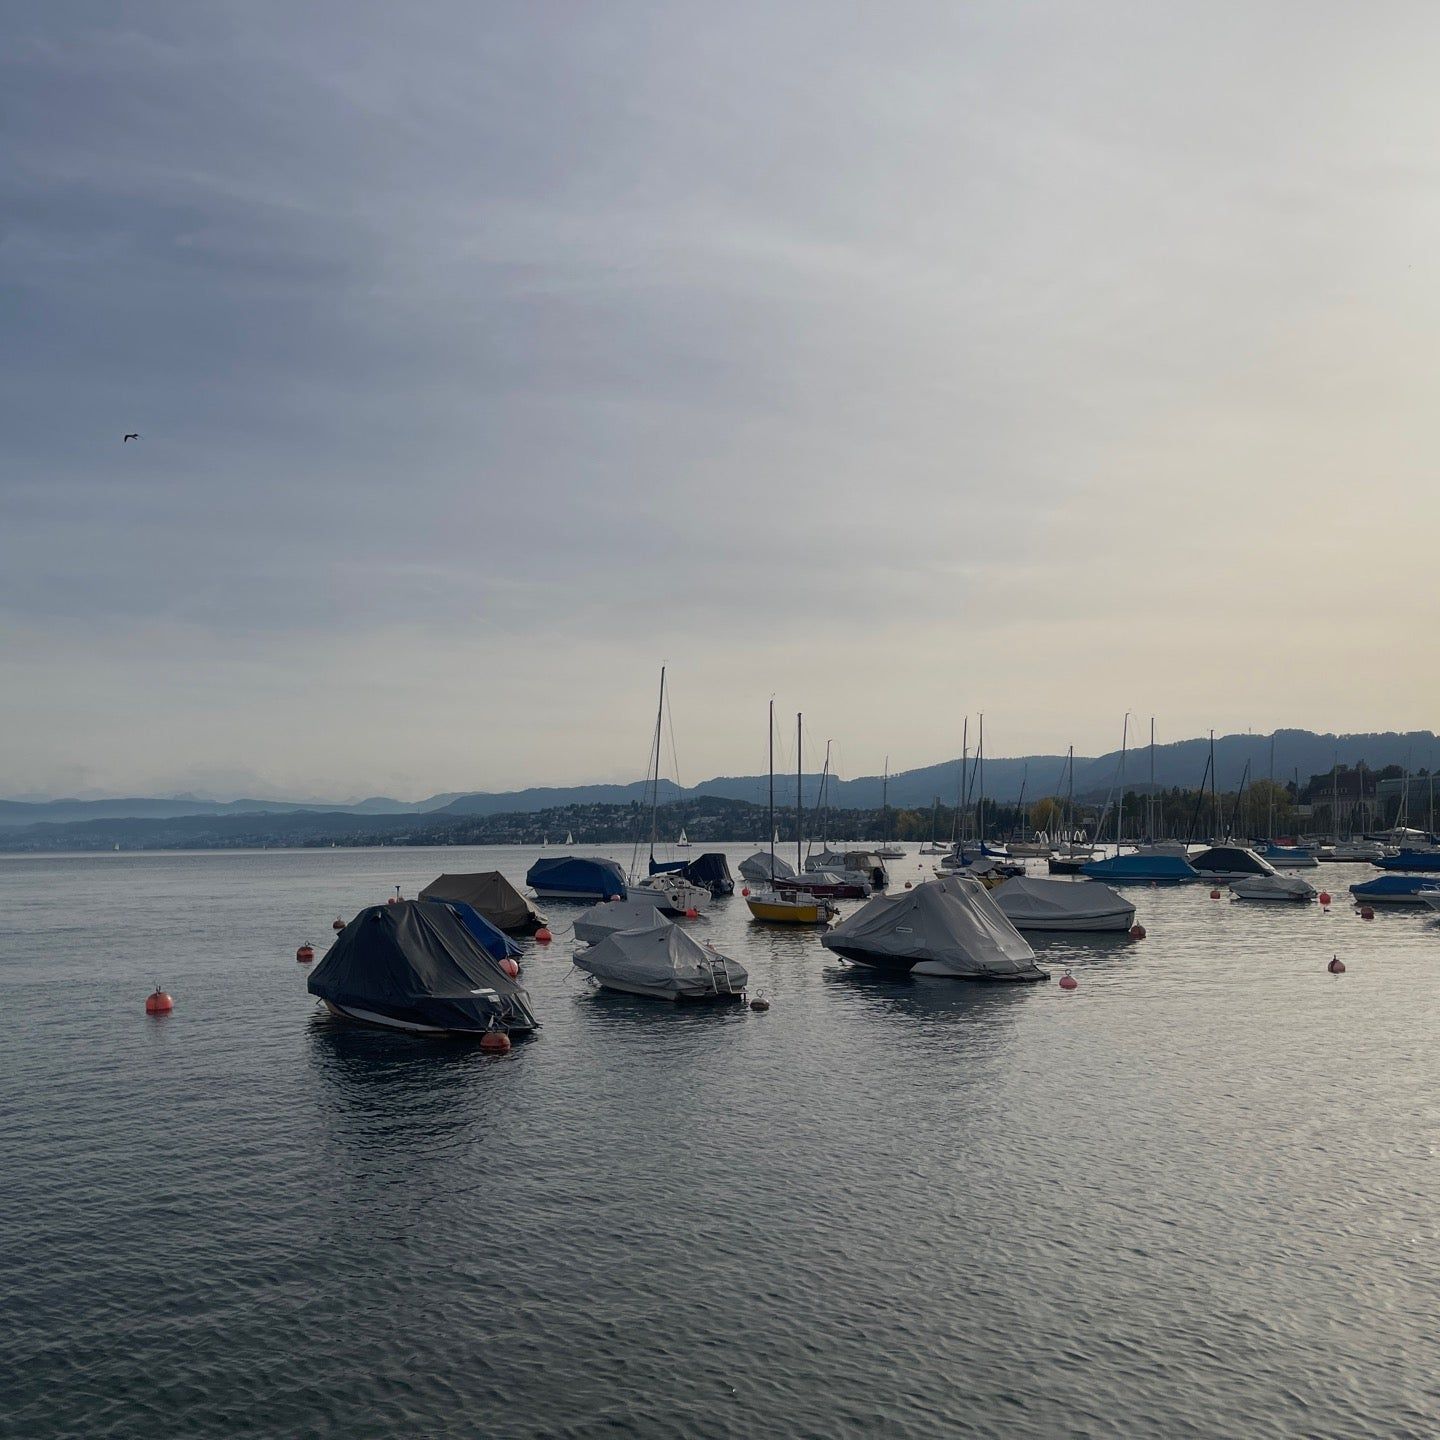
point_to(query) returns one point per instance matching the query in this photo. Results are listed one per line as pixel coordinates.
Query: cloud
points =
(911, 361)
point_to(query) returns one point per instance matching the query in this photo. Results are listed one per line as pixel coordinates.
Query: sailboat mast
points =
(885, 802)
(1214, 795)
(1120, 808)
(655, 782)
(1070, 802)
(1270, 817)
(1150, 803)
(799, 794)
(772, 790)
(980, 803)
(961, 798)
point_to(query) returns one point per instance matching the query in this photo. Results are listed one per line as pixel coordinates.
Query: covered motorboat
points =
(1229, 862)
(822, 882)
(762, 867)
(571, 877)
(662, 962)
(944, 927)
(864, 863)
(1272, 887)
(493, 896)
(711, 871)
(1428, 860)
(1396, 890)
(670, 893)
(610, 916)
(1345, 852)
(1141, 870)
(1089, 905)
(1287, 857)
(427, 966)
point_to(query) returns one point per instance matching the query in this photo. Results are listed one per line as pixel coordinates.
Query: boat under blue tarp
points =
(1396, 889)
(571, 877)
(1427, 860)
(490, 938)
(710, 870)
(1141, 870)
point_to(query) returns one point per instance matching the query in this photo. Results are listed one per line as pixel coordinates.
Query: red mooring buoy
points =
(744, 889)
(907, 884)
(1214, 894)
(337, 923)
(305, 954)
(692, 913)
(1336, 965)
(543, 936)
(158, 1003)
(758, 1004)
(1069, 982)
(614, 899)
(1366, 913)
(1324, 897)
(1137, 932)
(509, 966)
(497, 1042)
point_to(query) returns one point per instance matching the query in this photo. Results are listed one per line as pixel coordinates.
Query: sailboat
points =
(798, 907)
(887, 851)
(569, 838)
(933, 845)
(683, 843)
(672, 893)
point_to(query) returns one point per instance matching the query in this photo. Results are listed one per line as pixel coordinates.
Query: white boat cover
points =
(1272, 887)
(757, 868)
(952, 921)
(611, 915)
(662, 961)
(1054, 904)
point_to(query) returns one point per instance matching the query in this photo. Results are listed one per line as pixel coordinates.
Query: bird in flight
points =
(134, 435)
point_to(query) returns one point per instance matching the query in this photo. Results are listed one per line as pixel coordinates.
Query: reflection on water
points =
(1189, 1197)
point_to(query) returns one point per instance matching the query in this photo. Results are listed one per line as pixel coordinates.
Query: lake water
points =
(1193, 1197)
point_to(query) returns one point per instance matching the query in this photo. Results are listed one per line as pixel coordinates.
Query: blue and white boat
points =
(1141, 870)
(570, 877)
(1396, 890)
(1426, 860)
(1287, 857)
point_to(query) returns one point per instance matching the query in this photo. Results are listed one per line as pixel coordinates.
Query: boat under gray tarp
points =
(418, 965)
(943, 927)
(610, 916)
(757, 868)
(490, 893)
(664, 963)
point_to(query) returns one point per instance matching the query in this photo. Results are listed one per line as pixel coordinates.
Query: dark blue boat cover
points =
(1410, 860)
(418, 962)
(600, 878)
(1141, 869)
(490, 938)
(711, 870)
(1383, 885)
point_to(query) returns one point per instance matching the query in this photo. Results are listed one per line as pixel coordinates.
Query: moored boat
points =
(662, 963)
(1272, 887)
(430, 967)
(1063, 905)
(572, 877)
(946, 927)
(1396, 890)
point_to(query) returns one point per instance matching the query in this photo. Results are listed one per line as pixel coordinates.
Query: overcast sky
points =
(899, 360)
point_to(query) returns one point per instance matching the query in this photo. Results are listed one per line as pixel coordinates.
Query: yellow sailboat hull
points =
(789, 912)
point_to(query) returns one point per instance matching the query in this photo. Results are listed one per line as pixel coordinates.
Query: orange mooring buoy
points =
(1336, 965)
(305, 954)
(158, 1003)
(495, 1041)
(692, 913)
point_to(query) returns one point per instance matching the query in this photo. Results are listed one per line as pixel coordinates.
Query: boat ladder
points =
(719, 973)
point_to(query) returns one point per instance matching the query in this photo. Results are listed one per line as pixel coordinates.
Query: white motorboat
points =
(1287, 857)
(1229, 862)
(890, 852)
(611, 916)
(662, 963)
(944, 927)
(1063, 905)
(667, 891)
(1272, 887)
(1353, 852)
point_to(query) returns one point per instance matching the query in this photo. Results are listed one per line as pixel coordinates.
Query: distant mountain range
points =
(1180, 763)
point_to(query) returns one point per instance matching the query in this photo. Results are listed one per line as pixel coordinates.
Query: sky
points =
(899, 361)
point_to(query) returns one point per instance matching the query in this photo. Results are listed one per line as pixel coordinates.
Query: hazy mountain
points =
(1180, 763)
